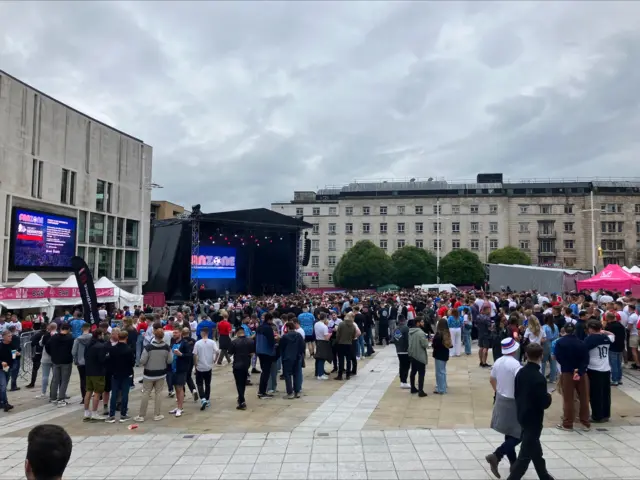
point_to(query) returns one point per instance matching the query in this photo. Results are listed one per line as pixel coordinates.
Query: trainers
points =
(124, 418)
(297, 395)
(178, 412)
(61, 403)
(138, 419)
(173, 411)
(325, 377)
(110, 420)
(96, 416)
(157, 418)
(86, 418)
(242, 406)
(321, 378)
(203, 404)
(405, 386)
(289, 396)
(265, 395)
(195, 395)
(172, 394)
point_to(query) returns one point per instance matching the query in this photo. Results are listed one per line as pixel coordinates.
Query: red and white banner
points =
(73, 292)
(48, 292)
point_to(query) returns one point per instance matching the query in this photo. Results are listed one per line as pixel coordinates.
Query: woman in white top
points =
(534, 332)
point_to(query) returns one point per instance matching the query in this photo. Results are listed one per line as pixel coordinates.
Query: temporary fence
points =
(26, 355)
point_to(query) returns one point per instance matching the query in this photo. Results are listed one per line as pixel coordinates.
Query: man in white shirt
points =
(599, 370)
(204, 353)
(505, 417)
(321, 331)
(632, 327)
(102, 313)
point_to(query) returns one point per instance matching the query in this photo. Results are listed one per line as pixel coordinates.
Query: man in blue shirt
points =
(76, 325)
(306, 320)
(206, 322)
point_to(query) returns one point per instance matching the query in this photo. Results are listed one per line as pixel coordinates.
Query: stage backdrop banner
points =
(87, 290)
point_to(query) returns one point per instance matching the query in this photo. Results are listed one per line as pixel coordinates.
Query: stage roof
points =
(259, 217)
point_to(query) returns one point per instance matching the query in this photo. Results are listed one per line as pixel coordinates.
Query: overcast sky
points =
(246, 102)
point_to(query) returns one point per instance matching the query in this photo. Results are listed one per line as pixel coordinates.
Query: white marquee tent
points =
(30, 281)
(70, 282)
(120, 297)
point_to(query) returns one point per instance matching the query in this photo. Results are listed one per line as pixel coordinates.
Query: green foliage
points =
(461, 267)
(413, 266)
(509, 256)
(363, 266)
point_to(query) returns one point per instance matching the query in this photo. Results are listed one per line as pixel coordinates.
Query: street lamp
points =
(593, 234)
(438, 247)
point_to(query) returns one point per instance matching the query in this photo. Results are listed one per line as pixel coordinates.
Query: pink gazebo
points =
(613, 277)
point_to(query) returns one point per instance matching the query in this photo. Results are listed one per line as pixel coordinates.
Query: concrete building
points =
(163, 210)
(60, 161)
(548, 219)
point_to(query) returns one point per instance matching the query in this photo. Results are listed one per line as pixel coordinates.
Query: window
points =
(473, 209)
(545, 209)
(82, 226)
(104, 262)
(316, 211)
(91, 259)
(330, 277)
(546, 228)
(383, 244)
(524, 244)
(400, 227)
(568, 209)
(612, 244)
(333, 210)
(523, 227)
(348, 244)
(569, 244)
(315, 261)
(366, 228)
(419, 227)
(612, 227)
(299, 211)
(437, 227)
(119, 231)
(383, 210)
(96, 228)
(315, 229)
(331, 261)
(348, 211)
(348, 228)
(493, 209)
(418, 209)
(437, 209)
(131, 234)
(366, 210)
(130, 264)
(82, 252)
(474, 244)
(455, 227)
(332, 245)
(638, 227)
(332, 229)
(455, 244)
(524, 208)
(315, 279)
(568, 227)
(493, 227)
(455, 209)
(118, 271)
(419, 243)
(400, 243)
(475, 227)
(72, 189)
(383, 228)
(611, 208)
(101, 191)
(437, 244)
(637, 209)
(68, 190)
(547, 246)
(109, 196)
(37, 174)
(400, 209)
(493, 244)
(315, 245)
(110, 225)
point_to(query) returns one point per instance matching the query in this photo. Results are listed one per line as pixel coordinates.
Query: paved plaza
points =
(367, 428)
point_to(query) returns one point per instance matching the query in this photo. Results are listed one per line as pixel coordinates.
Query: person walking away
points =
(132, 337)
(76, 325)
(306, 320)
(94, 360)
(36, 353)
(323, 346)
(467, 327)
(573, 357)
(441, 345)
(369, 325)
(79, 346)
(16, 347)
(204, 356)
(121, 360)
(187, 337)
(45, 363)
(504, 418)
(532, 399)
(598, 343)
(224, 332)
(155, 359)
(383, 325)
(359, 319)
(401, 341)
(182, 360)
(7, 357)
(60, 347)
(418, 354)
(551, 332)
(345, 335)
(616, 349)
(292, 348)
(241, 349)
(266, 351)
(483, 325)
(455, 327)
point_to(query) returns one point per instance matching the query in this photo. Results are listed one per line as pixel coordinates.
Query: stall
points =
(118, 296)
(30, 293)
(612, 278)
(68, 293)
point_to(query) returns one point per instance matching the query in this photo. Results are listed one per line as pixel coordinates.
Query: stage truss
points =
(195, 252)
(299, 277)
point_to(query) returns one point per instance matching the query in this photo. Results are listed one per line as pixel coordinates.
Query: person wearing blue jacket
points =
(76, 325)
(292, 352)
(206, 322)
(266, 351)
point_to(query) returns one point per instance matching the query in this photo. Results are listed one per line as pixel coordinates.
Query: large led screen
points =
(42, 241)
(214, 262)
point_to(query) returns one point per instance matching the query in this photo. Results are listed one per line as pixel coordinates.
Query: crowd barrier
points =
(26, 357)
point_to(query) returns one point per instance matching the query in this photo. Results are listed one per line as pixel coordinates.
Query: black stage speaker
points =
(306, 254)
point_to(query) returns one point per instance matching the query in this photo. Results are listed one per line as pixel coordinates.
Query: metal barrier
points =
(26, 356)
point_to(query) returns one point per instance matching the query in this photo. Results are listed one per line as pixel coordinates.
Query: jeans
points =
(368, 341)
(14, 370)
(240, 376)
(265, 367)
(119, 386)
(405, 364)
(615, 361)
(547, 357)
(4, 379)
(298, 373)
(291, 379)
(169, 379)
(360, 346)
(273, 375)
(203, 382)
(60, 381)
(508, 449)
(466, 338)
(46, 370)
(139, 345)
(319, 367)
(441, 376)
(419, 368)
(148, 386)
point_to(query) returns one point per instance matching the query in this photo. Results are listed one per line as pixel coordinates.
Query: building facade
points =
(57, 160)
(549, 220)
(163, 210)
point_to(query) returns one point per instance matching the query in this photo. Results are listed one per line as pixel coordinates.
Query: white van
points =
(439, 287)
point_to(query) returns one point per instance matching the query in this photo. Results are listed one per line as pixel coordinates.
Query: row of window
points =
(125, 230)
(546, 228)
(474, 244)
(474, 227)
(108, 262)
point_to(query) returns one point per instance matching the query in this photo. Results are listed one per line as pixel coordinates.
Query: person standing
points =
(205, 351)
(121, 360)
(532, 399)
(155, 359)
(292, 348)
(182, 361)
(16, 347)
(76, 325)
(188, 338)
(241, 348)
(483, 324)
(401, 341)
(504, 418)
(345, 335)
(306, 321)
(266, 351)
(224, 332)
(598, 343)
(7, 357)
(323, 347)
(455, 328)
(60, 347)
(79, 347)
(95, 357)
(616, 349)
(417, 352)
(36, 352)
(441, 346)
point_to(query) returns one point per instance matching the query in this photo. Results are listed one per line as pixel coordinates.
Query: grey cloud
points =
(500, 48)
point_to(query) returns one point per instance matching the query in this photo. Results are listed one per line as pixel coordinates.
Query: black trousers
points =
(530, 451)
(419, 368)
(405, 363)
(265, 367)
(354, 358)
(240, 375)
(83, 380)
(190, 384)
(334, 350)
(34, 369)
(203, 381)
(344, 352)
(600, 394)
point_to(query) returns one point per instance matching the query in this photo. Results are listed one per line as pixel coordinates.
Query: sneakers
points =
(178, 412)
(110, 420)
(290, 396)
(172, 394)
(422, 394)
(173, 411)
(265, 395)
(195, 395)
(157, 418)
(203, 404)
(323, 377)
(138, 419)
(255, 370)
(241, 406)
(96, 416)
(124, 418)
(61, 403)
(297, 395)
(405, 386)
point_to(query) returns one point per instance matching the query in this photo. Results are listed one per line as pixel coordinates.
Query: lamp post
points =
(593, 234)
(438, 249)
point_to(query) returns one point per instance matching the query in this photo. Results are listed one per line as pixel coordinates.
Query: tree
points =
(413, 266)
(509, 256)
(363, 266)
(461, 267)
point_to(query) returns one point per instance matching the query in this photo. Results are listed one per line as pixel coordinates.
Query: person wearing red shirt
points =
(224, 331)
(27, 324)
(442, 311)
(142, 324)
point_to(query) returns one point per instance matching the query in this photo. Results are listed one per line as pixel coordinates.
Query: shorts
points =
(633, 341)
(179, 379)
(107, 383)
(484, 341)
(95, 384)
(309, 338)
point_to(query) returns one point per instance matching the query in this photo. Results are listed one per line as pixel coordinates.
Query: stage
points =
(246, 251)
